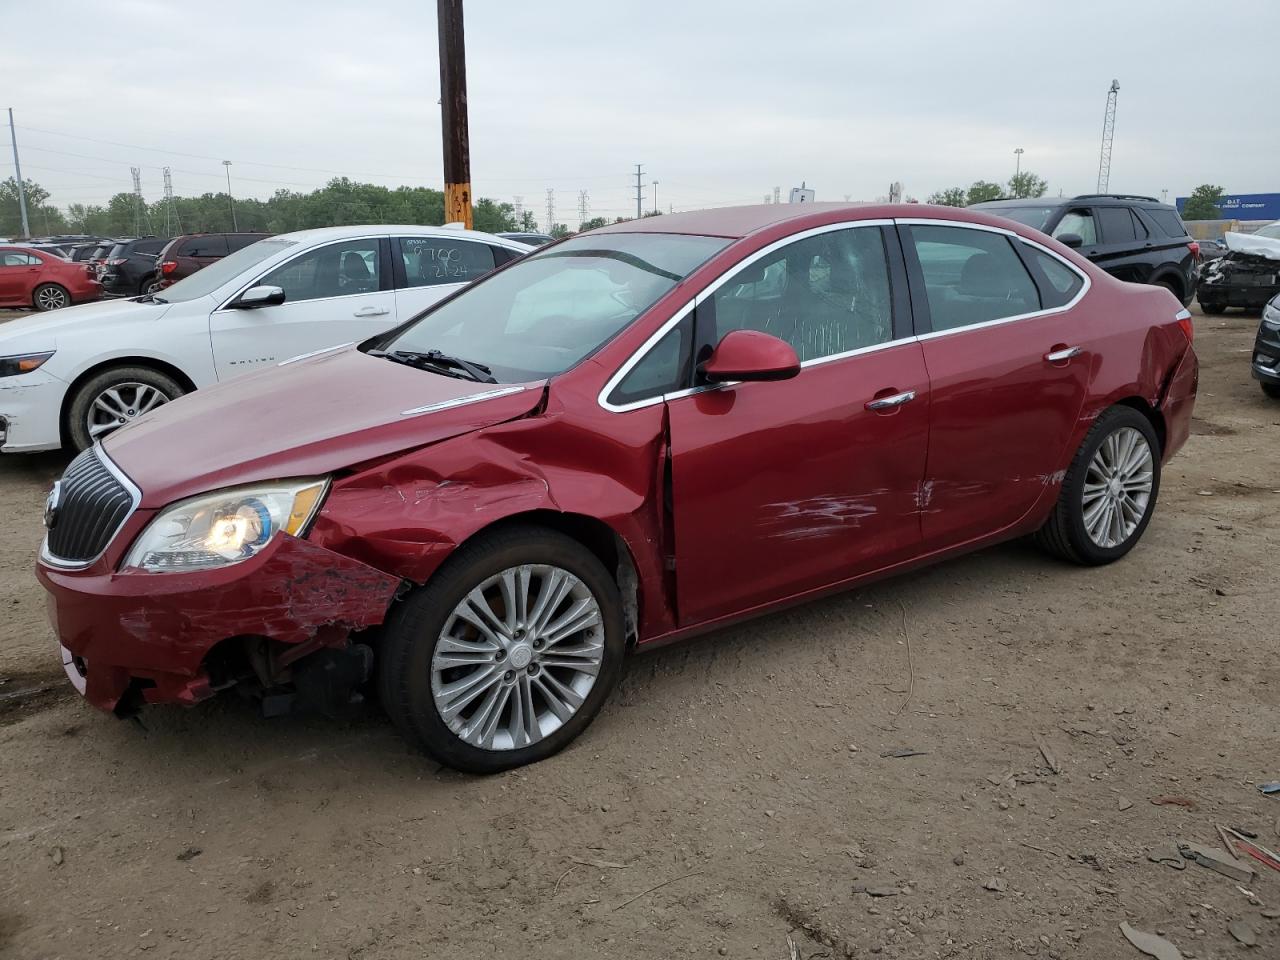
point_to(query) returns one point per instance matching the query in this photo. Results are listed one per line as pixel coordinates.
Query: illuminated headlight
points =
(227, 526)
(1271, 315)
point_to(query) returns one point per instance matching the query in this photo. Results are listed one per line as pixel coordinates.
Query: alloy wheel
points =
(51, 298)
(1117, 487)
(119, 404)
(517, 657)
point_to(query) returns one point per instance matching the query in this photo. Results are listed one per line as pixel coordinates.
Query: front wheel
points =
(114, 398)
(1109, 492)
(1214, 309)
(506, 654)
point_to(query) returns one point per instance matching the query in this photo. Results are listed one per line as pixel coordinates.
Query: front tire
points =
(114, 398)
(1272, 390)
(1109, 492)
(508, 652)
(1214, 309)
(50, 296)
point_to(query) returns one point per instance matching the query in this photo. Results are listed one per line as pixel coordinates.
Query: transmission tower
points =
(1108, 135)
(518, 206)
(582, 208)
(639, 190)
(777, 194)
(170, 211)
(551, 209)
(140, 213)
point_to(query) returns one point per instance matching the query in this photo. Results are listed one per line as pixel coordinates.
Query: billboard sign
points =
(1245, 206)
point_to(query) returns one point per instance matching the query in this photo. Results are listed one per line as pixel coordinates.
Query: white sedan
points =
(75, 376)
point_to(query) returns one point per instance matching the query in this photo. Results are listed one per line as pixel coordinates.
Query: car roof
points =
(1092, 199)
(321, 234)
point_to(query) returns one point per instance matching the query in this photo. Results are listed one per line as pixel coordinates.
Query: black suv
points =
(1138, 239)
(130, 265)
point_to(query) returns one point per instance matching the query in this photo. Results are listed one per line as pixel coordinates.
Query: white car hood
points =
(1248, 243)
(43, 331)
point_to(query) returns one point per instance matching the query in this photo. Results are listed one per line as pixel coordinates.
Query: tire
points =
(1174, 288)
(126, 381)
(410, 679)
(1272, 390)
(50, 296)
(1066, 534)
(149, 285)
(1214, 309)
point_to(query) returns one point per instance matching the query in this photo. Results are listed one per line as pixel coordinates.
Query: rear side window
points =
(238, 241)
(1063, 282)
(148, 246)
(664, 369)
(1168, 221)
(972, 276)
(18, 259)
(1079, 222)
(1117, 225)
(210, 246)
(431, 261)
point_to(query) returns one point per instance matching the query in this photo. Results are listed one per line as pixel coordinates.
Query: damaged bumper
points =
(29, 408)
(1239, 280)
(152, 633)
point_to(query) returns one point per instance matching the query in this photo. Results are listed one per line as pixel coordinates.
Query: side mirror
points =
(1072, 240)
(259, 297)
(750, 355)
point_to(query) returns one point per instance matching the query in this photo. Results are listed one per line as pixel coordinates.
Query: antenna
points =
(1108, 135)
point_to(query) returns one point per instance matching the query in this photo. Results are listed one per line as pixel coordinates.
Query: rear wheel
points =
(507, 653)
(150, 285)
(50, 296)
(1109, 492)
(1214, 309)
(114, 398)
(1272, 390)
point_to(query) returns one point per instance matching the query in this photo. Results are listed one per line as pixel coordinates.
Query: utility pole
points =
(582, 208)
(639, 191)
(1017, 172)
(777, 194)
(453, 114)
(170, 212)
(17, 170)
(656, 208)
(230, 199)
(551, 210)
(1108, 136)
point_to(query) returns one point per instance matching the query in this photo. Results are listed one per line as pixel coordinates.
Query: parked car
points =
(183, 256)
(129, 266)
(37, 278)
(532, 239)
(98, 258)
(1133, 238)
(82, 252)
(630, 437)
(1247, 275)
(1266, 349)
(1210, 250)
(109, 364)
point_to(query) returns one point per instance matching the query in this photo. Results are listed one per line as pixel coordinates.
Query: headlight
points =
(227, 526)
(23, 363)
(1271, 315)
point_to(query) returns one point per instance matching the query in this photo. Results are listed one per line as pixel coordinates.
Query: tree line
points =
(1020, 185)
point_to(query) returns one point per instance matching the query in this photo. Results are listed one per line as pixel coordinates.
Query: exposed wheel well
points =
(160, 366)
(1155, 416)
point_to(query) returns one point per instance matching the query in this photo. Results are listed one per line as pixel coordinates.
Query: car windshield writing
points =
(209, 279)
(545, 313)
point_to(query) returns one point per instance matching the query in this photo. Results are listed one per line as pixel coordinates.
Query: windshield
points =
(204, 282)
(1271, 230)
(1035, 217)
(542, 315)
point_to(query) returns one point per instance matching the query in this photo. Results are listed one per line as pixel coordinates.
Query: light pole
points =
(1017, 153)
(655, 197)
(230, 200)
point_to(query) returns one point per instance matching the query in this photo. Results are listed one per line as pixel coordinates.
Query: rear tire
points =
(50, 296)
(418, 688)
(1073, 531)
(126, 381)
(1272, 390)
(1214, 309)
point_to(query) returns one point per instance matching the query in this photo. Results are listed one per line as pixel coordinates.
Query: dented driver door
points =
(783, 487)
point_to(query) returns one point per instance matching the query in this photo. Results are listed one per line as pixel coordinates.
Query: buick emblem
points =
(51, 505)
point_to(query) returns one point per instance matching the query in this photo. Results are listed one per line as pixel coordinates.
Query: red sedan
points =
(37, 278)
(626, 438)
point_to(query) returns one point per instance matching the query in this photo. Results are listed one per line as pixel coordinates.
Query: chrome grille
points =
(87, 508)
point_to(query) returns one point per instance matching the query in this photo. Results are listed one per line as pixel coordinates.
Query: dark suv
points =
(1138, 239)
(183, 256)
(130, 265)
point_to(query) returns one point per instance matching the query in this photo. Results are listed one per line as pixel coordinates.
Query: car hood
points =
(307, 417)
(42, 331)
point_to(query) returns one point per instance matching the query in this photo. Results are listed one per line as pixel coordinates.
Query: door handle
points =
(371, 312)
(892, 401)
(1063, 354)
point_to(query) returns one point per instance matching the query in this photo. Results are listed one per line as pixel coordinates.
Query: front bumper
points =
(1247, 295)
(30, 412)
(153, 632)
(1266, 355)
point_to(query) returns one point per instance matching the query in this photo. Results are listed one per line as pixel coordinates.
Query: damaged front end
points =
(1248, 275)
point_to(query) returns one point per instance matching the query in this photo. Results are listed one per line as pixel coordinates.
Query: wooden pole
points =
(453, 114)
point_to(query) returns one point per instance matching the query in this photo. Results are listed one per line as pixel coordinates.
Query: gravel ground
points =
(735, 792)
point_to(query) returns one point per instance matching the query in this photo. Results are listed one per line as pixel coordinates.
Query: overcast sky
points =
(720, 101)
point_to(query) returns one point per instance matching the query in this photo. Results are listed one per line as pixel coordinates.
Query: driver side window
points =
(337, 270)
(1079, 222)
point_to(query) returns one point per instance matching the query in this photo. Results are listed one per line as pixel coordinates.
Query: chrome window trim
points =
(315, 353)
(462, 401)
(136, 496)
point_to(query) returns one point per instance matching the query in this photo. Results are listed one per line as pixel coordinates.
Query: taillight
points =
(116, 262)
(1184, 324)
(1194, 248)
(168, 267)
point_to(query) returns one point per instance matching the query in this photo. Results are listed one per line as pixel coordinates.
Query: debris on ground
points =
(1150, 944)
(905, 752)
(1169, 855)
(190, 854)
(1250, 848)
(996, 885)
(1124, 803)
(1049, 759)
(1241, 931)
(1220, 862)
(57, 855)
(1174, 802)
(1271, 787)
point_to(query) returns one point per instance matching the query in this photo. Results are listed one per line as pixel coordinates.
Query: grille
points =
(92, 505)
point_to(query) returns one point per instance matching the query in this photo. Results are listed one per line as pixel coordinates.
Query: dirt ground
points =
(735, 792)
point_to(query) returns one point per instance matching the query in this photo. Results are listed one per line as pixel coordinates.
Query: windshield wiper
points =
(441, 363)
(151, 298)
